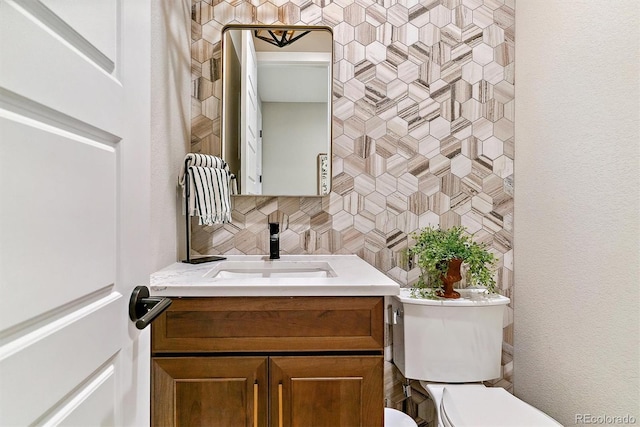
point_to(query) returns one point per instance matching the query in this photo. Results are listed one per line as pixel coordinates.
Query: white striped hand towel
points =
(205, 160)
(210, 185)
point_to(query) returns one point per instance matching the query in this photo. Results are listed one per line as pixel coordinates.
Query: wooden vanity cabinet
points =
(269, 362)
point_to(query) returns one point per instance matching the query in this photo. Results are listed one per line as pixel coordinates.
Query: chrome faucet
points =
(274, 240)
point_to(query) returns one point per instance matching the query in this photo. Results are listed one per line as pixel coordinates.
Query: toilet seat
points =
(473, 406)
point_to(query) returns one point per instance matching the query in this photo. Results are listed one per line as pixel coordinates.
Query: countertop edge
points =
(356, 278)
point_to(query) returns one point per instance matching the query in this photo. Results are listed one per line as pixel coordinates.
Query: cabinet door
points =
(211, 392)
(326, 391)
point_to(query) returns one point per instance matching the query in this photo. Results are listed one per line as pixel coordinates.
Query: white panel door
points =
(74, 210)
(249, 131)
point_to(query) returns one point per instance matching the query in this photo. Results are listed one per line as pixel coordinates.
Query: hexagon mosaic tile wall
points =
(423, 128)
(423, 101)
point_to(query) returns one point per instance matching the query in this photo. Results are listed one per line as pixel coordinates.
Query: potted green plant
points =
(440, 253)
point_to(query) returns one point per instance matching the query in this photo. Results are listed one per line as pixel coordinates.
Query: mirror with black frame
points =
(276, 108)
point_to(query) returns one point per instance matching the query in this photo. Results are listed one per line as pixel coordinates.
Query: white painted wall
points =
(293, 136)
(577, 207)
(170, 124)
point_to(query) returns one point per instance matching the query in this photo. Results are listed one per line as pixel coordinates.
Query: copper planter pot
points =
(452, 276)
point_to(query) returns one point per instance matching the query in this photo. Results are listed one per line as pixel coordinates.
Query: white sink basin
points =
(271, 268)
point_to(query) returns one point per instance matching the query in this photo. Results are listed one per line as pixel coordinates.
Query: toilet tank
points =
(447, 340)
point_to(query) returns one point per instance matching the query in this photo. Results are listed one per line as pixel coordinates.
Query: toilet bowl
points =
(451, 346)
(395, 418)
(474, 405)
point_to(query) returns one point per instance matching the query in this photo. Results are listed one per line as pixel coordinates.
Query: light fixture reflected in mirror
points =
(280, 38)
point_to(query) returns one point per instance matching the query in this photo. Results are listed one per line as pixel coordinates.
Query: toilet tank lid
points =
(473, 406)
(468, 298)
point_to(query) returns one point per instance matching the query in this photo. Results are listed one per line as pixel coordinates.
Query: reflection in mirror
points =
(276, 109)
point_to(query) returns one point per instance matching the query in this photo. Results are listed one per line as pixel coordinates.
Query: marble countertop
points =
(351, 276)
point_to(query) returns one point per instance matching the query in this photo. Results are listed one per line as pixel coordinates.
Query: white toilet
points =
(395, 418)
(450, 344)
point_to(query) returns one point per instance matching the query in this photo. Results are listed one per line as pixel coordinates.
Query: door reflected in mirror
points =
(276, 109)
